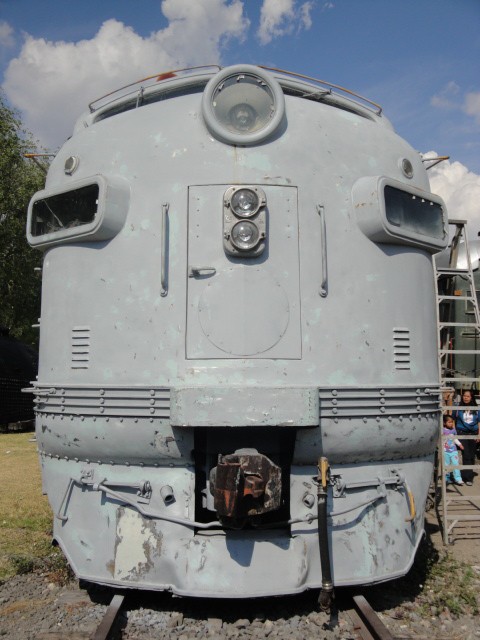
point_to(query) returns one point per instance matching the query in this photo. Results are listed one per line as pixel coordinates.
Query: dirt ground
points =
(464, 538)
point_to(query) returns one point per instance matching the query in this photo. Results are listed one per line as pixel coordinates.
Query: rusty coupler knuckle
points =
(245, 484)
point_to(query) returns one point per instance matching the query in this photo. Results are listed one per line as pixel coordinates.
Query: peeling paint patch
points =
(179, 152)
(136, 546)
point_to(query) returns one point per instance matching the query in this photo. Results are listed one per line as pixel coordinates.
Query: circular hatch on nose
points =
(244, 311)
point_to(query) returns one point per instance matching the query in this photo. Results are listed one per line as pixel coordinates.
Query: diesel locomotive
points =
(238, 392)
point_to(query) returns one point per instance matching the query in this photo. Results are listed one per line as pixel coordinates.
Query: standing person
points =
(450, 452)
(466, 421)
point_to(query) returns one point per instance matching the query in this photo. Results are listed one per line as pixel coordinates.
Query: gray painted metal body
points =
(159, 350)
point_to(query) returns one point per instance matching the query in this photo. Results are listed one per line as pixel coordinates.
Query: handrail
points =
(167, 75)
(163, 75)
(378, 109)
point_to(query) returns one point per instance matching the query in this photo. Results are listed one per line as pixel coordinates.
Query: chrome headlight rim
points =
(242, 245)
(219, 129)
(233, 194)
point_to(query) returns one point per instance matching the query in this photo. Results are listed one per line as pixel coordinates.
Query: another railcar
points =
(237, 283)
(18, 367)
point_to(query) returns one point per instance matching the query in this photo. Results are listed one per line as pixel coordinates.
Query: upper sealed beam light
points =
(245, 202)
(243, 105)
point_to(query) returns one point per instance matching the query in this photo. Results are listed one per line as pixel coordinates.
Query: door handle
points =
(198, 272)
(323, 230)
(164, 267)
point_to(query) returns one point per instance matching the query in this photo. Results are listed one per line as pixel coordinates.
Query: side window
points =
(390, 211)
(88, 210)
(65, 210)
(413, 213)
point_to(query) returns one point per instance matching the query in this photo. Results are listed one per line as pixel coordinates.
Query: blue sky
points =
(420, 59)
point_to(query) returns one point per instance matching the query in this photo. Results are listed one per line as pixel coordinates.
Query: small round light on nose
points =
(245, 203)
(245, 235)
(71, 165)
(407, 167)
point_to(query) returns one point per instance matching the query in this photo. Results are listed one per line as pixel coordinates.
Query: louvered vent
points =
(401, 348)
(80, 347)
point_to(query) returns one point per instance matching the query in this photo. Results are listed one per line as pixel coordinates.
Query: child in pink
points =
(450, 451)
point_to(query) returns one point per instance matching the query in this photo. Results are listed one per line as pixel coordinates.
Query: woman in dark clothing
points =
(466, 424)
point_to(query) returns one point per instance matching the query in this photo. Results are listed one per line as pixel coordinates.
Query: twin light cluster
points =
(244, 221)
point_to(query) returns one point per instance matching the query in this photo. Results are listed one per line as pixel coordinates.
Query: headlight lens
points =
(245, 203)
(242, 117)
(243, 105)
(245, 235)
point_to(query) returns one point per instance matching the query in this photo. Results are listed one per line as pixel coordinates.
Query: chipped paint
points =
(137, 545)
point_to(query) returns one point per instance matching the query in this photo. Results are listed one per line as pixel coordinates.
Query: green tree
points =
(19, 179)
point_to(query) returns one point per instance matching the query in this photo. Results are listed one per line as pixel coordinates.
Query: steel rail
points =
(105, 627)
(366, 623)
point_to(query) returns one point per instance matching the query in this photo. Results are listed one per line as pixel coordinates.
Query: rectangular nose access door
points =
(243, 307)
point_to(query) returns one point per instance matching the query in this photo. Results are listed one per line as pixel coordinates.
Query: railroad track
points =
(366, 623)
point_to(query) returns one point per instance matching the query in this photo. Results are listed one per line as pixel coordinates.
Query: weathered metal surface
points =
(241, 406)
(264, 351)
(245, 484)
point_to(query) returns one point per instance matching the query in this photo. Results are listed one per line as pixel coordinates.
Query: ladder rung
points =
(441, 298)
(451, 270)
(447, 380)
(470, 325)
(460, 351)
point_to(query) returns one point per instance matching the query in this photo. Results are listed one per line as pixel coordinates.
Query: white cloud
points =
(460, 189)
(472, 105)
(447, 97)
(281, 17)
(52, 82)
(199, 29)
(305, 17)
(6, 35)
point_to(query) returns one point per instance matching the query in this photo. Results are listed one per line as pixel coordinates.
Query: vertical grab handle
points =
(163, 273)
(323, 230)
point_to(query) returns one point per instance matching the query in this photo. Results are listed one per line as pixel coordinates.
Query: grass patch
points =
(436, 584)
(25, 515)
(449, 586)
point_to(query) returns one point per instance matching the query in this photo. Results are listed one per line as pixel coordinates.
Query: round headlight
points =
(245, 235)
(245, 203)
(243, 105)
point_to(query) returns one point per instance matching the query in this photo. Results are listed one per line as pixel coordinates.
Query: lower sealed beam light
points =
(245, 235)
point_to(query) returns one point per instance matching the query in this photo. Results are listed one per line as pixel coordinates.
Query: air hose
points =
(326, 593)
